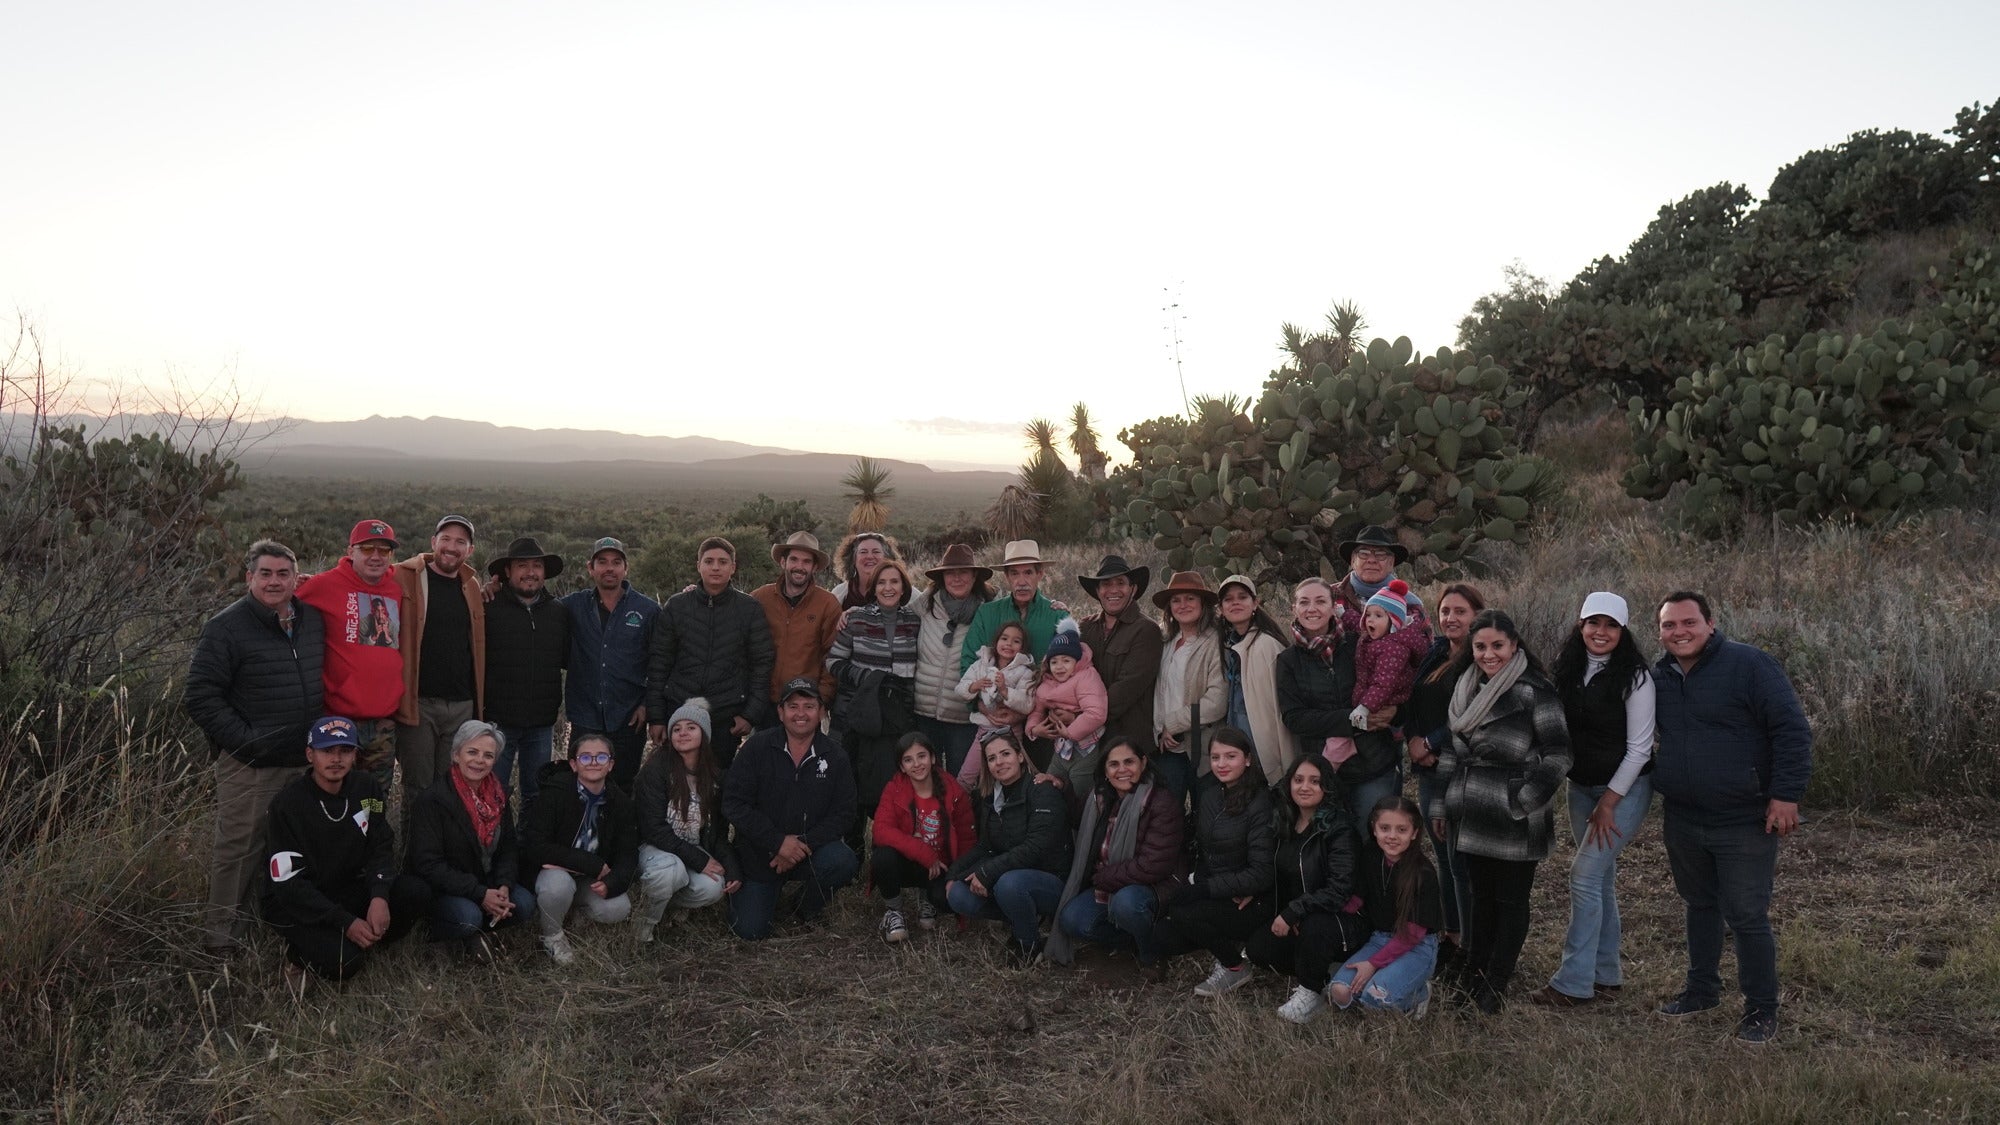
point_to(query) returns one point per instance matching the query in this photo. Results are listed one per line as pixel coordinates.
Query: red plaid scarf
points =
(483, 804)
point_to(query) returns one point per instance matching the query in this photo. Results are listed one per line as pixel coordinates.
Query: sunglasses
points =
(370, 549)
(592, 758)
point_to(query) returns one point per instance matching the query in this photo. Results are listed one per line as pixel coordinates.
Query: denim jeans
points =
(1590, 948)
(1452, 879)
(754, 907)
(667, 882)
(1023, 896)
(454, 917)
(1361, 796)
(1724, 874)
(1175, 772)
(533, 746)
(1398, 986)
(951, 740)
(557, 890)
(1126, 920)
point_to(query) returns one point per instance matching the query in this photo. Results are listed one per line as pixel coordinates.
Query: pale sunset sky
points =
(866, 227)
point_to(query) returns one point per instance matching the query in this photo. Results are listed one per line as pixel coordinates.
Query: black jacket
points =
(527, 648)
(323, 845)
(1378, 895)
(652, 791)
(1315, 869)
(1031, 830)
(254, 691)
(549, 824)
(718, 648)
(1233, 850)
(444, 847)
(1316, 698)
(767, 798)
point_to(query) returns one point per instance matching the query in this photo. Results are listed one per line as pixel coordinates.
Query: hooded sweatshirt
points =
(363, 671)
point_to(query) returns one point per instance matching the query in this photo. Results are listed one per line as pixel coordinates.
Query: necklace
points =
(331, 816)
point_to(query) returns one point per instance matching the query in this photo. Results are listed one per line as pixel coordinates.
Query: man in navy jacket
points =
(790, 796)
(1734, 757)
(610, 633)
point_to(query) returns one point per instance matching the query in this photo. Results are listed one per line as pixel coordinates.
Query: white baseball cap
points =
(1605, 604)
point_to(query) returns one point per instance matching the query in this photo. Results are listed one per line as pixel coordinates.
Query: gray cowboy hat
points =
(1112, 567)
(526, 548)
(1374, 536)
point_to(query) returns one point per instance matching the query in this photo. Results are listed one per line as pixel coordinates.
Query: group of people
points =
(1212, 782)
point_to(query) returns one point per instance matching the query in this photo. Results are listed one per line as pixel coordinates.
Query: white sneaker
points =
(1305, 1003)
(644, 929)
(1423, 1007)
(559, 948)
(893, 929)
(927, 915)
(1222, 980)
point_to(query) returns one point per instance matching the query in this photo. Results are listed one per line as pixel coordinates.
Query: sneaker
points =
(1548, 997)
(927, 913)
(893, 929)
(1223, 980)
(1688, 1005)
(1423, 1007)
(559, 948)
(1305, 1003)
(1757, 1028)
(644, 929)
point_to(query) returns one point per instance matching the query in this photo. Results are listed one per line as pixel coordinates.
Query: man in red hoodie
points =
(363, 610)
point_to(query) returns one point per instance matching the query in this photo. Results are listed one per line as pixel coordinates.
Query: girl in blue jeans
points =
(1397, 894)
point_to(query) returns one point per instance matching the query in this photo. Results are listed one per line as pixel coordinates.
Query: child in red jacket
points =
(1386, 658)
(923, 823)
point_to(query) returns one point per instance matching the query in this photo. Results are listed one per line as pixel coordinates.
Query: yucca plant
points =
(867, 484)
(1040, 435)
(1090, 459)
(1333, 347)
(1015, 515)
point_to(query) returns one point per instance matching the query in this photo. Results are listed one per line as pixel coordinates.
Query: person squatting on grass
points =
(581, 838)
(332, 890)
(1607, 695)
(463, 846)
(790, 797)
(1397, 895)
(1228, 894)
(923, 824)
(1015, 871)
(1313, 872)
(1126, 861)
(685, 859)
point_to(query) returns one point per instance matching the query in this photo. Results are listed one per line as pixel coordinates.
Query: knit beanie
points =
(1067, 641)
(695, 711)
(1393, 600)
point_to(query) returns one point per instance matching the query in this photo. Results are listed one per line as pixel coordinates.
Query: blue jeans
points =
(1590, 948)
(952, 740)
(534, 746)
(1023, 896)
(1724, 874)
(1398, 986)
(1361, 796)
(454, 917)
(1452, 879)
(1126, 920)
(754, 906)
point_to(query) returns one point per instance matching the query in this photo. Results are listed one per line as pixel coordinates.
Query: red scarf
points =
(1321, 646)
(483, 804)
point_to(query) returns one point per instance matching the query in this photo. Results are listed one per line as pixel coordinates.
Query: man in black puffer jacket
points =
(254, 688)
(527, 647)
(712, 642)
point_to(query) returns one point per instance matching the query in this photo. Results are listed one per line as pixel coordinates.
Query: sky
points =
(900, 229)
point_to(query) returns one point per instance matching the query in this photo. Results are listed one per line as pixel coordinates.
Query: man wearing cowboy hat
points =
(804, 617)
(1372, 558)
(1021, 570)
(527, 648)
(1124, 645)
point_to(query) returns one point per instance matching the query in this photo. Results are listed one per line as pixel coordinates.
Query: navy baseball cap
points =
(332, 731)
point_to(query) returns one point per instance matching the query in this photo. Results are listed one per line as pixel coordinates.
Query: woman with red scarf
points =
(462, 843)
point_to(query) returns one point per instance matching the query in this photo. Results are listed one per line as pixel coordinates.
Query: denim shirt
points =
(607, 658)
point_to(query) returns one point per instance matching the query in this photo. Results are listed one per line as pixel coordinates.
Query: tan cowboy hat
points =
(800, 541)
(958, 556)
(1021, 552)
(1184, 582)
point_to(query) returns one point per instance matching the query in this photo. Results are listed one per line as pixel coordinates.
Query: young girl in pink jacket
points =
(1070, 708)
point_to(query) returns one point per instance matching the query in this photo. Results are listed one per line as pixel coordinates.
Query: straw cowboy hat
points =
(1021, 552)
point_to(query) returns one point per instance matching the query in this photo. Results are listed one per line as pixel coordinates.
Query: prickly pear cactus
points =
(1419, 445)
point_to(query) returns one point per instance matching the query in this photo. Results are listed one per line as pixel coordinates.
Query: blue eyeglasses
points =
(592, 758)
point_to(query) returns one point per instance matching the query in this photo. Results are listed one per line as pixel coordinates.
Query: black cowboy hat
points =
(1374, 536)
(1112, 567)
(526, 548)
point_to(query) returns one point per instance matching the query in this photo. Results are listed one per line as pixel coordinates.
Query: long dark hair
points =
(706, 779)
(1472, 598)
(1329, 803)
(1235, 798)
(1407, 877)
(1626, 662)
(1495, 619)
(919, 738)
(1102, 787)
(1261, 621)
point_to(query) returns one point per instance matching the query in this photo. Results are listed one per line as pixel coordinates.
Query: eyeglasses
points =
(371, 549)
(1373, 553)
(592, 758)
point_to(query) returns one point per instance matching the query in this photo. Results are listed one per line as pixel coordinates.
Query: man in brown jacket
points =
(1124, 646)
(444, 653)
(804, 617)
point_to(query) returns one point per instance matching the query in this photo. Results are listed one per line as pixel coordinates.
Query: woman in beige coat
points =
(1251, 642)
(1190, 678)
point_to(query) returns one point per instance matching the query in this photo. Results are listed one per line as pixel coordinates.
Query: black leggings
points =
(1500, 891)
(325, 949)
(1309, 953)
(1215, 924)
(891, 871)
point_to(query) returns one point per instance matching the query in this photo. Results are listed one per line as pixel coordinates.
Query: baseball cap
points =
(799, 685)
(331, 731)
(607, 544)
(1605, 604)
(368, 530)
(460, 521)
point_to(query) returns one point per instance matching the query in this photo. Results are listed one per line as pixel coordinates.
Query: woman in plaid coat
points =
(1499, 777)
